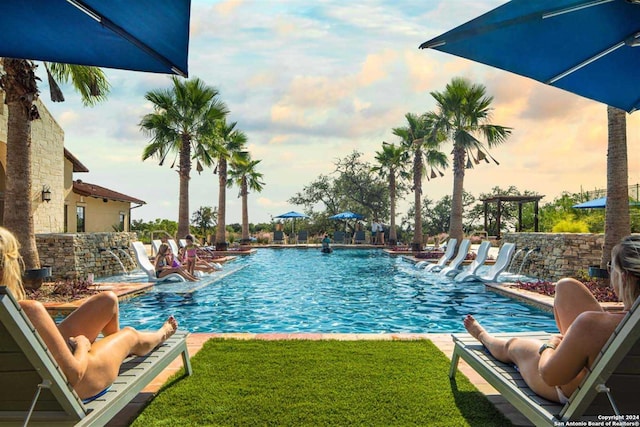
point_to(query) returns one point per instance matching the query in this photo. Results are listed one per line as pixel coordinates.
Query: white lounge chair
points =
(453, 267)
(448, 254)
(481, 257)
(174, 246)
(155, 246)
(608, 390)
(146, 266)
(183, 243)
(502, 262)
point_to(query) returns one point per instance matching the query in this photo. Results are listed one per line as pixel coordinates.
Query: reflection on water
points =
(350, 290)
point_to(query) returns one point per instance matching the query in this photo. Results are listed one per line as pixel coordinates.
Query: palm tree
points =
(183, 119)
(617, 220)
(245, 176)
(227, 146)
(19, 82)
(392, 162)
(422, 139)
(464, 112)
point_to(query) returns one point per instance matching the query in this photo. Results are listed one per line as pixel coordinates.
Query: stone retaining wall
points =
(560, 255)
(76, 255)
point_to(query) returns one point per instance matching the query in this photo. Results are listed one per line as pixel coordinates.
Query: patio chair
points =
(34, 391)
(182, 243)
(502, 262)
(359, 237)
(155, 246)
(278, 237)
(146, 266)
(174, 246)
(303, 236)
(448, 254)
(609, 389)
(338, 237)
(453, 267)
(472, 269)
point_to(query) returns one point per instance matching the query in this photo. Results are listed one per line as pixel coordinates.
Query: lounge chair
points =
(453, 267)
(481, 257)
(359, 237)
(502, 262)
(174, 246)
(609, 389)
(303, 236)
(146, 266)
(182, 243)
(338, 237)
(278, 237)
(34, 391)
(448, 254)
(155, 246)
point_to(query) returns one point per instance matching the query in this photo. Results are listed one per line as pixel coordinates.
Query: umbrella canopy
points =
(588, 47)
(599, 203)
(346, 215)
(292, 215)
(139, 35)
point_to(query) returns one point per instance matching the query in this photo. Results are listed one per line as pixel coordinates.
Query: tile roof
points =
(93, 190)
(77, 166)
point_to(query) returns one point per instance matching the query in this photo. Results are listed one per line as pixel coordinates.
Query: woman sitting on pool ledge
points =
(164, 264)
(90, 366)
(554, 369)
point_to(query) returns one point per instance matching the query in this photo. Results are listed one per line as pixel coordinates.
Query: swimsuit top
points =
(161, 264)
(191, 253)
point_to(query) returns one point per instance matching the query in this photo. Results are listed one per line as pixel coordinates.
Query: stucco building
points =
(60, 204)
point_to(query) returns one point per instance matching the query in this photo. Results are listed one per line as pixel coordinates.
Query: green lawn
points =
(319, 383)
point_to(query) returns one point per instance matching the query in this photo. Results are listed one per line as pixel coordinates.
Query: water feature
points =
(526, 256)
(515, 256)
(350, 290)
(127, 256)
(110, 252)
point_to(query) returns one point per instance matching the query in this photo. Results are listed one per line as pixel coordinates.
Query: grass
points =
(320, 383)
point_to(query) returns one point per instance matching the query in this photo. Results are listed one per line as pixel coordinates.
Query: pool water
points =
(347, 291)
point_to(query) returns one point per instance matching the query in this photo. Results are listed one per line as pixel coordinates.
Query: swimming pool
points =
(347, 291)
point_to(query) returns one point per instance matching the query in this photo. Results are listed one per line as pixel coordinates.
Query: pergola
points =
(512, 199)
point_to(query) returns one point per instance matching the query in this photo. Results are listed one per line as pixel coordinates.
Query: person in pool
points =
(554, 369)
(326, 243)
(90, 366)
(164, 264)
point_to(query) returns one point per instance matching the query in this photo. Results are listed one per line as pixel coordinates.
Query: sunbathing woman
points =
(554, 369)
(164, 264)
(90, 366)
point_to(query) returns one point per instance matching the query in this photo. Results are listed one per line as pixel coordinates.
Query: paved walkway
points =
(195, 342)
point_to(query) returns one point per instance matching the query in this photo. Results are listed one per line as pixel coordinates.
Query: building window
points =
(66, 218)
(80, 219)
(122, 219)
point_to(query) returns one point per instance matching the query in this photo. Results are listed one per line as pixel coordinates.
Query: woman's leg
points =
(98, 314)
(572, 298)
(519, 351)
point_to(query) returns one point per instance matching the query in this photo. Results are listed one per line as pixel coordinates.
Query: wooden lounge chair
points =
(444, 259)
(453, 267)
(610, 389)
(34, 391)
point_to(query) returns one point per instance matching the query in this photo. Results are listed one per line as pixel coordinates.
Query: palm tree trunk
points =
(393, 237)
(617, 222)
(455, 224)
(184, 172)
(245, 212)
(221, 237)
(416, 243)
(21, 92)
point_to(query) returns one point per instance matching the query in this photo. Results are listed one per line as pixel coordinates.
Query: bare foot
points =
(169, 328)
(473, 327)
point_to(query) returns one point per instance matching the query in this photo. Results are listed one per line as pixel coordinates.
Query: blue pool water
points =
(348, 291)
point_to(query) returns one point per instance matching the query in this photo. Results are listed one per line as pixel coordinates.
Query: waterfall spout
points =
(110, 252)
(526, 256)
(518, 252)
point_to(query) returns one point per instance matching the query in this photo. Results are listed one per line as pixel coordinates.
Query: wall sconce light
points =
(46, 193)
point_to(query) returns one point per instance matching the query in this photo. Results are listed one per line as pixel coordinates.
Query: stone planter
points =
(33, 278)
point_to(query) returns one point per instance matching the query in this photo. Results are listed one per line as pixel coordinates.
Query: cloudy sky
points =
(309, 82)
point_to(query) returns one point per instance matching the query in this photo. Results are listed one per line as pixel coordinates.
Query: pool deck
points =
(442, 341)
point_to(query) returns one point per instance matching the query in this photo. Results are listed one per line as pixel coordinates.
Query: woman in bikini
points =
(90, 366)
(164, 264)
(554, 369)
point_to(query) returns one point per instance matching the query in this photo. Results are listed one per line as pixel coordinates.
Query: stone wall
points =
(77, 255)
(560, 255)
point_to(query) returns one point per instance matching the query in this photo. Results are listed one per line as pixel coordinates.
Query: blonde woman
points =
(554, 369)
(90, 366)
(164, 264)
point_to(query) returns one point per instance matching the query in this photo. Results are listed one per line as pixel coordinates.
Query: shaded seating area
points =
(520, 200)
(34, 391)
(609, 389)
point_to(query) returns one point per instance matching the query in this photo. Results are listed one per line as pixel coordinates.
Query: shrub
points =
(569, 226)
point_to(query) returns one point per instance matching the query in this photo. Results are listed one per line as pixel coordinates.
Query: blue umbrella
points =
(293, 215)
(599, 203)
(142, 35)
(346, 215)
(586, 47)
